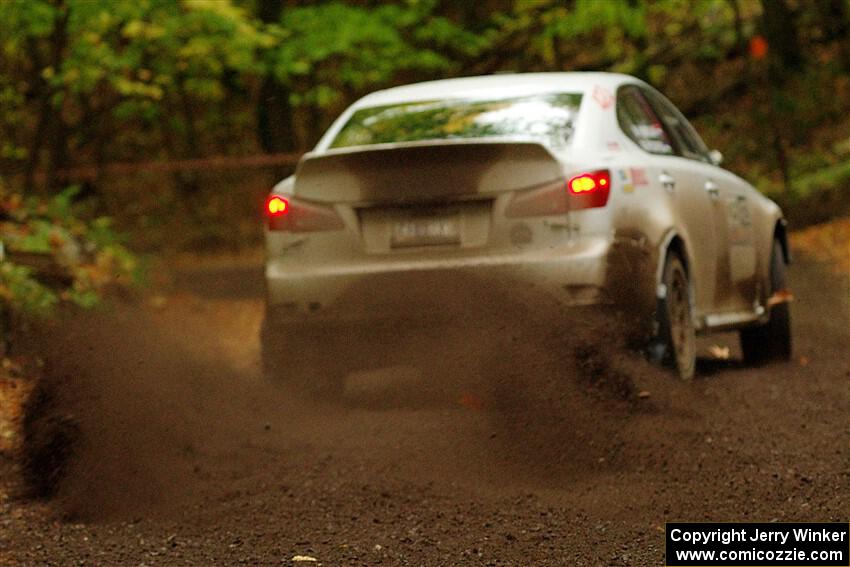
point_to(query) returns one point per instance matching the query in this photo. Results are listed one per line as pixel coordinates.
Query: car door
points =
(680, 186)
(736, 253)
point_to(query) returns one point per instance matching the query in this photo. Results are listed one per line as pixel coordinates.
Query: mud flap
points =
(779, 297)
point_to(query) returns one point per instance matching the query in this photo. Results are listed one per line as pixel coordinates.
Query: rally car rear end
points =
(370, 233)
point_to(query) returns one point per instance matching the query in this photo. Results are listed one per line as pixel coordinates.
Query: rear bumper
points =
(385, 287)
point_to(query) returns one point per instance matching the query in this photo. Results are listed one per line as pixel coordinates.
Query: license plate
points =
(429, 231)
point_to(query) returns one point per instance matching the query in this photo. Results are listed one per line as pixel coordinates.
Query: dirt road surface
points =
(494, 444)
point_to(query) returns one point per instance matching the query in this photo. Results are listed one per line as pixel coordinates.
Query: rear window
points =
(548, 118)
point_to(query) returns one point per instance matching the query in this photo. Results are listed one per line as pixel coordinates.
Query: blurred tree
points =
(88, 82)
(834, 19)
(781, 34)
(93, 68)
(329, 54)
(780, 30)
(275, 125)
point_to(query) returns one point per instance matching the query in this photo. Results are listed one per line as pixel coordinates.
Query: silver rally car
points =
(592, 187)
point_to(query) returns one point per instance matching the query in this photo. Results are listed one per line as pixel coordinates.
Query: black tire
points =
(675, 344)
(301, 358)
(771, 341)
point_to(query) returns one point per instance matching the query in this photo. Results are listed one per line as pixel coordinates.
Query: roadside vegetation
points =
(828, 242)
(54, 254)
(90, 87)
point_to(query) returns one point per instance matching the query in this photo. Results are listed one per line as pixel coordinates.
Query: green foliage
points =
(52, 256)
(822, 178)
(174, 78)
(107, 67)
(88, 82)
(21, 291)
(145, 49)
(328, 51)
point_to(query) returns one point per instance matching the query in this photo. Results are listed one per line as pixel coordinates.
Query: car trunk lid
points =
(424, 195)
(419, 172)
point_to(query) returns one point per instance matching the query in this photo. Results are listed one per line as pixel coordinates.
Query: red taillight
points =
(589, 190)
(276, 206)
(584, 191)
(288, 214)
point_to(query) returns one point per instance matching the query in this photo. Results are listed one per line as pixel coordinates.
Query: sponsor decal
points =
(626, 181)
(638, 175)
(603, 97)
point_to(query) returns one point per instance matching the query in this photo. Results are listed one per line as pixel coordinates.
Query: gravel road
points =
(477, 447)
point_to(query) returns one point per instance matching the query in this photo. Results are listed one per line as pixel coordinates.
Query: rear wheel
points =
(676, 337)
(772, 340)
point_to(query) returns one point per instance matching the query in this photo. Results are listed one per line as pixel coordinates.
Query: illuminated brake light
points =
(583, 191)
(582, 184)
(291, 215)
(589, 190)
(276, 206)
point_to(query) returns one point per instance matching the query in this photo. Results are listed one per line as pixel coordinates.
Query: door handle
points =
(712, 189)
(667, 181)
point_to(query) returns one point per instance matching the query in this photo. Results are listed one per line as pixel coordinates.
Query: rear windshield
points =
(548, 118)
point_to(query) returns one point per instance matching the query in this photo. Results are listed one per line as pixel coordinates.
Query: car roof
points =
(513, 84)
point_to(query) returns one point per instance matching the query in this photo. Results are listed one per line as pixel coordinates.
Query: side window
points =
(640, 122)
(687, 139)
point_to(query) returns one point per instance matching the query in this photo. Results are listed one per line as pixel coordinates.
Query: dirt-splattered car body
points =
(579, 185)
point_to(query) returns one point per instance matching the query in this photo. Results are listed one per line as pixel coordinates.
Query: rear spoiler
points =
(421, 171)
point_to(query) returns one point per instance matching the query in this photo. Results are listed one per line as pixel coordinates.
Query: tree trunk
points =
(275, 125)
(188, 180)
(34, 150)
(58, 145)
(782, 160)
(780, 31)
(274, 118)
(49, 120)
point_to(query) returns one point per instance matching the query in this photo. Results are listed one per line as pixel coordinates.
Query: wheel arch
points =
(682, 361)
(780, 233)
(672, 242)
